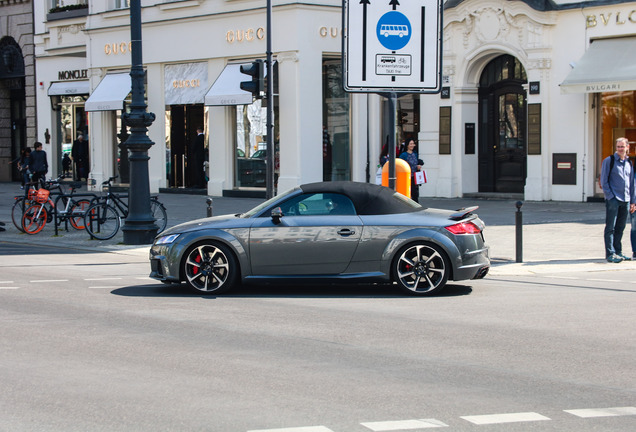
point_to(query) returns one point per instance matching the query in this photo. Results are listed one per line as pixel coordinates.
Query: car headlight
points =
(166, 239)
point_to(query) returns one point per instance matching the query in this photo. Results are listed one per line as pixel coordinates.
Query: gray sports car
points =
(325, 232)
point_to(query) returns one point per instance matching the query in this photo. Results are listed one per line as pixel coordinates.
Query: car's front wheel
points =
(421, 269)
(210, 268)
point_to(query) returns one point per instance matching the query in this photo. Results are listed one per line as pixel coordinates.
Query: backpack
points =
(611, 167)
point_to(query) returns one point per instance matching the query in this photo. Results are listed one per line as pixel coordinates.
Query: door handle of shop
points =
(346, 232)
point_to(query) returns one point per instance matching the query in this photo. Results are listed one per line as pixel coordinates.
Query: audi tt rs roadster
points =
(326, 232)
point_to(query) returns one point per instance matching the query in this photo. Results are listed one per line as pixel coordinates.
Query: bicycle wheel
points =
(101, 221)
(34, 219)
(159, 213)
(78, 209)
(17, 211)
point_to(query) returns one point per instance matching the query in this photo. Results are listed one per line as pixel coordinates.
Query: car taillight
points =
(464, 228)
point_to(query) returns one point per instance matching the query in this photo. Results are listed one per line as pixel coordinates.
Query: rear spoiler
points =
(462, 213)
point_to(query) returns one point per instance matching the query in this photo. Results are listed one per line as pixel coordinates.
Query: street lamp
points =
(139, 227)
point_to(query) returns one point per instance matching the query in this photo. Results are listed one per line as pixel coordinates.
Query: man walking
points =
(617, 180)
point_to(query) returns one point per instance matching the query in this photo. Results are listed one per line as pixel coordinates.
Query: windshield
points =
(259, 208)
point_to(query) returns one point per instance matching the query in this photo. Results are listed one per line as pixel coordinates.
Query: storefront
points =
(520, 114)
(534, 96)
(198, 84)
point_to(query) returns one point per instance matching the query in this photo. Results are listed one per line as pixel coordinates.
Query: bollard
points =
(209, 209)
(518, 231)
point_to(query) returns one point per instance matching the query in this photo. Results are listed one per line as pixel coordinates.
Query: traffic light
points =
(257, 84)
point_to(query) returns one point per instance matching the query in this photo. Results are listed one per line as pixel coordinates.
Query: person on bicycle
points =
(37, 162)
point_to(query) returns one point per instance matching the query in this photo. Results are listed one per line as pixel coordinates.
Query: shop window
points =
(250, 149)
(618, 119)
(119, 4)
(336, 146)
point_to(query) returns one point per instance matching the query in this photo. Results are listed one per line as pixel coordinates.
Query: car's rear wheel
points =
(421, 269)
(210, 268)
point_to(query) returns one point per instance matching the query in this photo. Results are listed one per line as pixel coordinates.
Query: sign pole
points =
(392, 100)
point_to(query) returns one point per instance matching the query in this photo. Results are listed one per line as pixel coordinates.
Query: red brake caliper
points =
(198, 261)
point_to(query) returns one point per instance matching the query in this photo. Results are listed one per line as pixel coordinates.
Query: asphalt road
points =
(89, 343)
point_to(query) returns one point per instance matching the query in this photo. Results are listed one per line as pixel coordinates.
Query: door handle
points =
(346, 232)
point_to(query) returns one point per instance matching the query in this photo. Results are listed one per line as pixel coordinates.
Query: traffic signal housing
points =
(256, 85)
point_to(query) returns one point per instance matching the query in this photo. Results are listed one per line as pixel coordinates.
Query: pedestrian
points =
(37, 163)
(411, 157)
(79, 156)
(24, 167)
(66, 164)
(22, 163)
(617, 181)
(198, 157)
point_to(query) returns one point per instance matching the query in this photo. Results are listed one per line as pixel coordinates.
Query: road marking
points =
(564, 277)
(603, 280)
(9, 288)
(505, 418)
(103, 287)
(48, 280)
(6, 282)
(296, 429)
(403, 425)
(603, 412)
(104, 278)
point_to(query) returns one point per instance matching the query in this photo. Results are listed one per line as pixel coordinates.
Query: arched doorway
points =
(13, 97)
(502, 131)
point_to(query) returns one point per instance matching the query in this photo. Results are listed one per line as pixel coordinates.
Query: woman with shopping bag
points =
(411, 157)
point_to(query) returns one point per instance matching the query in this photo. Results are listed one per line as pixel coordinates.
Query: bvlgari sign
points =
(613, 18)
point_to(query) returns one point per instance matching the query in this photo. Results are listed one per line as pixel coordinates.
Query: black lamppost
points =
(139, 227)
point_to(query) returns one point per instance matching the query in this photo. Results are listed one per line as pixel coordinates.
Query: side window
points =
(318, 205)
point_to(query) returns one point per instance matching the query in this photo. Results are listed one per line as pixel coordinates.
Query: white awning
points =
(609, 65)
(226, 90)
(69, 88)
(110, 93)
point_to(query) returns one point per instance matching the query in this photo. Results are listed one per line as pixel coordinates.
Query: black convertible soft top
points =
(368, 199)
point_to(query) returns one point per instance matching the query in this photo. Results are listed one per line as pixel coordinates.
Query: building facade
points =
(524, 111)
(17, 84)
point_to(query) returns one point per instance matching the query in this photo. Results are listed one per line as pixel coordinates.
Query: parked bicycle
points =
(103, 218)
(67, 208)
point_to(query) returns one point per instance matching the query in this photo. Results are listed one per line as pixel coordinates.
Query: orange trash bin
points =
(402, 176)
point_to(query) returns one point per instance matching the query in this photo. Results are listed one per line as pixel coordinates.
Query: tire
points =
(34, 219)
(158, 212)
(77, 211)
(209, 268)
(101, 221)
(17, 211)
(421, 269)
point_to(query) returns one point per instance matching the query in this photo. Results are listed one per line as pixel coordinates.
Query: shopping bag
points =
(420, 177)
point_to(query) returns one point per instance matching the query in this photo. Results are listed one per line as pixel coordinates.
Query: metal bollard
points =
(209, 209)
(518, 231)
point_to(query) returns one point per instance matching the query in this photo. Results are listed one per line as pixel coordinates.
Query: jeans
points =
(615, 218)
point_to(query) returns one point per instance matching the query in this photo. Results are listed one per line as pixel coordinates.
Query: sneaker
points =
(614, 258)
(625, 257)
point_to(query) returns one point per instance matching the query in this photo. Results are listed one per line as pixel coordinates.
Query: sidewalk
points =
(557, 237)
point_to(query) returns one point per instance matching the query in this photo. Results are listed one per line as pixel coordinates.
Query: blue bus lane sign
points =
(392, 46)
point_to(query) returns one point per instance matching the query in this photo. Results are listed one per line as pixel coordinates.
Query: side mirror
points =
(277, 213)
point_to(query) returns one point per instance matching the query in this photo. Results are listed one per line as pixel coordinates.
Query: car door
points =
(317, 235)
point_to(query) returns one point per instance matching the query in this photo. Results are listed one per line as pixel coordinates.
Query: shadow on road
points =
(291, 291)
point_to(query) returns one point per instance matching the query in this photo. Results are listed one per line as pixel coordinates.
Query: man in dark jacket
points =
(79, 155)
(37, 163)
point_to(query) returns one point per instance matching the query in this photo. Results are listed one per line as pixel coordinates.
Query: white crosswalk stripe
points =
(505, 418)
(403, 425)
(296, 429)
(603, 412)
